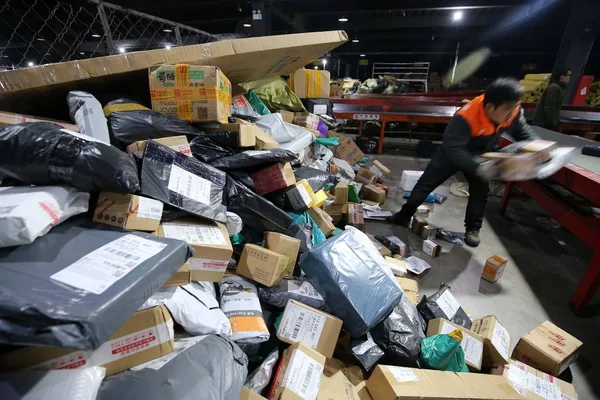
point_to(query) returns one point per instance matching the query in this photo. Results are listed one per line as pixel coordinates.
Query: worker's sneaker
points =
(399, 219)
(472, 238)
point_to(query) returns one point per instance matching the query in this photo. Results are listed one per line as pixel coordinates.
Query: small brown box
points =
(286, 245)
(365, 176)
(418, 223)
(373, 193)
(341, 193)
(494, 268)
(431, 248)
(262, 265)
(322, 220)
(496, 348)
(410, 287)
(355, 215)
(128, 211)
(335, 211)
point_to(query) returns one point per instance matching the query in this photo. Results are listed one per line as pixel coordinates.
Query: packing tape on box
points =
(314, 82)
(123, 107)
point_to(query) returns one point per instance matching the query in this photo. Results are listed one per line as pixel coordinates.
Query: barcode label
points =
(448, 304)
(194, 234)
(545, 389)
(300, 324)
(201, 113)
(189, 185)
(501, 340)
(403, 374)
(100, 269)
(303, 375)
(149, 208)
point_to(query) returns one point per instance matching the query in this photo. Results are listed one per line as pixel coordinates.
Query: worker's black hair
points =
(557, 73)
(503, 90)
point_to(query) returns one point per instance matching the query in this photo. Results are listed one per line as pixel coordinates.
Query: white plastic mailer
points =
(28, 212)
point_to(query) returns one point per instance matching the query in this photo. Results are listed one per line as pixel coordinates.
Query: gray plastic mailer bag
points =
(443, 304)
(347, 271)
(212, 367)
(183, 182)
(73, 287)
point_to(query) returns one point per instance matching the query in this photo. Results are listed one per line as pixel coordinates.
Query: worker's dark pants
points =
(440, 168)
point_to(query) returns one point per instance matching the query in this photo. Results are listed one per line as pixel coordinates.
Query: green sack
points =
(257, 104)
(330, 141)
(443, 352)
(275, 94)
(353, 194)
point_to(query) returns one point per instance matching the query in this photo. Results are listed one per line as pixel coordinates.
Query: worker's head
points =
(501, 98)
(562, 75)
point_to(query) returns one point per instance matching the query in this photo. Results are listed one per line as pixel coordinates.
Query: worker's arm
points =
(552, 102)
(456, 138)
(521, 130)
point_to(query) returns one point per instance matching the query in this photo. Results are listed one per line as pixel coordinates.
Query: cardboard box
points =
(177, 143)
(341, 193)
(380, 170)
(429, 232)
(410, 287)
(273, 177)
(365, 176)
(147, 334)
(356, 377)
(431, 248)
(355, 215)
(181, 277)
(286, 245)
(373, 193)
(337, 387)
(248, 394)
(472, 343)
(298, 375)
(348, 151)
(7, 118)
(398, 267)
(128, 211)
(409, 179)
(336, 89)
(547, 348)
(301, 196)
(399, 383)
(533, 384)
(396, 240)
(418, 223)
(494, 268)
(262, 265)
(246, 132)
(262, 140)
(514, 166)
(496, 347)
(307, 120)
(241, 60)
(322, 220)
(542, 148)
(309, 326)
(310, 83)
(211, 244)
(384, 251)
(194, 93)
(335, 211)
(321, 197)
(287, 116)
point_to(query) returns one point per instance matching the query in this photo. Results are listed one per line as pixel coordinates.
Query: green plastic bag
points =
(275, 94)
(353, 194)
(443, 352)
(257, 104)
(330, 141)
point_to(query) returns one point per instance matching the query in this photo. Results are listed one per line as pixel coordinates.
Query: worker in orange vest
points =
(475, 129)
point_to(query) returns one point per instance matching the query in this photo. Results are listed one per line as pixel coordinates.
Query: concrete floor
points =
(545, 264)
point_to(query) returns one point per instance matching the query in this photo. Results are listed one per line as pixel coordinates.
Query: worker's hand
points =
(487, 170)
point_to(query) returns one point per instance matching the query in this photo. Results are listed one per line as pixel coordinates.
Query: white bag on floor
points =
(28, 212)
(239, 302)
(63, 384)
(194, 307)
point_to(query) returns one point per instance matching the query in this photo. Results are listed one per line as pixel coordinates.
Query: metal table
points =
(582, 177)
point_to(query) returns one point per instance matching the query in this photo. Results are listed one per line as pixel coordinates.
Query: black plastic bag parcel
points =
(442, 304)
(254, 159)
(43, 153)
(183, 182)
(75, 286)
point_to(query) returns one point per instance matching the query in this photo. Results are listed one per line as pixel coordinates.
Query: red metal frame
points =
(586, 184)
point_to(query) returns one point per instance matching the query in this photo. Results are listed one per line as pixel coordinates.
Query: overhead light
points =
(247, 25)
(30, 64)
(95, 35)
(81, 52)
(316, 67)
(343, 19)
(363, 55)
(40, 39)
(168, 46)
(355, 40)
(324, 62)
(457, 16)
(167, 30)
(121, 49)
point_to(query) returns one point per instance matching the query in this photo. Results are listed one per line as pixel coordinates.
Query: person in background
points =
(547, 112)
(474, 130)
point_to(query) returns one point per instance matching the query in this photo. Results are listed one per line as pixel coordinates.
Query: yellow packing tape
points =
(122, 107)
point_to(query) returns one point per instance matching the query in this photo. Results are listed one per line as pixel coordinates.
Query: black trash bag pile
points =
(442, 304)
(254, 159)
(43, 153)
(129, 122)
(205, 149)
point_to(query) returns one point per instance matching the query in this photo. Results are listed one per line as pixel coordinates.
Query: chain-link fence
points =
(46, 31)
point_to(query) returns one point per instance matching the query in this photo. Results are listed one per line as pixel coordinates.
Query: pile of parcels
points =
(189, 248)
(593, 97)
(534, 85)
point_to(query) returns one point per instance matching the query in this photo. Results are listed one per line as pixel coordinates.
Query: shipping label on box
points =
(262, 265)
(193, 93)
(497, 340)
(286, 245)
(177, 143)
(547, 348)
(472, 344)
(298, 375)
(309, 326)
(431, 248)
(211, 244)
(128, 211)
(147, 334)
